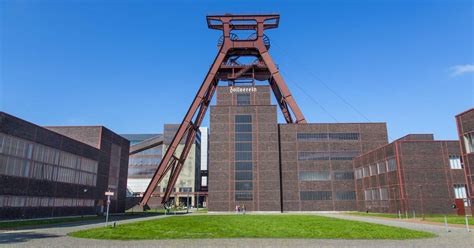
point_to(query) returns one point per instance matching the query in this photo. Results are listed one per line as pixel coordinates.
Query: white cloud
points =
(458, 70)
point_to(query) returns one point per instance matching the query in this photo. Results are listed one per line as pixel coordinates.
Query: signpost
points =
(108, 194)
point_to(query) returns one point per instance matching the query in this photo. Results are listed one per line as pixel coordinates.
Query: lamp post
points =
(422, 207)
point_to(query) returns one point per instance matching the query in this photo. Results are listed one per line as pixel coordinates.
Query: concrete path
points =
(56, 237)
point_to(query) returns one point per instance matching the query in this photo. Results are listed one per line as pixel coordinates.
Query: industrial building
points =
(142, 165)
(59, 171)
(145, 156)
(265, 166)
(414, 174)
(465, 124)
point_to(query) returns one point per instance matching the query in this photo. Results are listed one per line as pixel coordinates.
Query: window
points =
(383, 194)
(314, 176)
(343, 175)
(243, 119)
(455, 162)
(345, 195)
(243, 175)
(243, 146)
(243, 154)
(243, 99)
(243, 128)
(240, 156)
(243, 166)
(358, 173)
(305, 156)
(373, 169)
(243, 196)
(391, 165)
(308, 137)
(185, 189)
(368, 194)
(381, 167)
(460, 191)
(204, 181)
(243, 137)
(366, 171)
(243, 185)
(316, 195)
(469, 142)
(314, 156)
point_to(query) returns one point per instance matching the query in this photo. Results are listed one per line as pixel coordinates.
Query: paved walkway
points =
(56, 237)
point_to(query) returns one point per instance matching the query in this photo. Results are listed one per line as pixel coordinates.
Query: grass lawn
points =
(452, 219)
(26, 223)
(250, 226)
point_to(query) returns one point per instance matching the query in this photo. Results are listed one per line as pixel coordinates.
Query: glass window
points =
(243, 196)
(315, 195)
(243, 175)
(243, 99)
(242, 156)
(460, 191)
(383, 194)
(243, 128)
(243, 185)
(326, 136)
(243, 136)
(343, 175)
(345, 195)
(314, 176)
(455, 162)
(243, 119)
(243, 146)
(469, 142)
(391, 165)
(243, 166)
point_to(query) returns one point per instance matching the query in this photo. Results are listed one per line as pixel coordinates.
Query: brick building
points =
(465, 123)
(266, 166)
(413, 173)
(58, 171)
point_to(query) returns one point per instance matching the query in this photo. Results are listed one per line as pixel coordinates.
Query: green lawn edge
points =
(250, 226)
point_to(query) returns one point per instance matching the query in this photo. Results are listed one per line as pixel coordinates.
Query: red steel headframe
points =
(223, 69)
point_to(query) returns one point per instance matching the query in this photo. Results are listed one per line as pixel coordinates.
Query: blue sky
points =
(134, 65)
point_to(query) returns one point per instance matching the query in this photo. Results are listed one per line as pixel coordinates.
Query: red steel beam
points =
(171, 162)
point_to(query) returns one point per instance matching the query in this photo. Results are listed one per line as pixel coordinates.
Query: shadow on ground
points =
(10, 238)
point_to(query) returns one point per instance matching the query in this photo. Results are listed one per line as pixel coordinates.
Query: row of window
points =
(308, 137)
(12, 166)
(327, 195)
(29, 201)
(310, 156)
(21, 148)
(325, 175)
(243, 156)
(144, 161)
(377, 168)
(376, 194)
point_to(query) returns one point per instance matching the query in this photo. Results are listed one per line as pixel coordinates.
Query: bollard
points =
(414, 214)
(446, 223)
(467, 223)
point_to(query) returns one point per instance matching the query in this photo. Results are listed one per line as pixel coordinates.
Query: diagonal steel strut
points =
(173, 163)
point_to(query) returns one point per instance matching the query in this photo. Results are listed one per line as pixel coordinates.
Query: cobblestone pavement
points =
(56, 237)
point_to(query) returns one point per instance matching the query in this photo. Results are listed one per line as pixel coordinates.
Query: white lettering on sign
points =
(242, 89)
